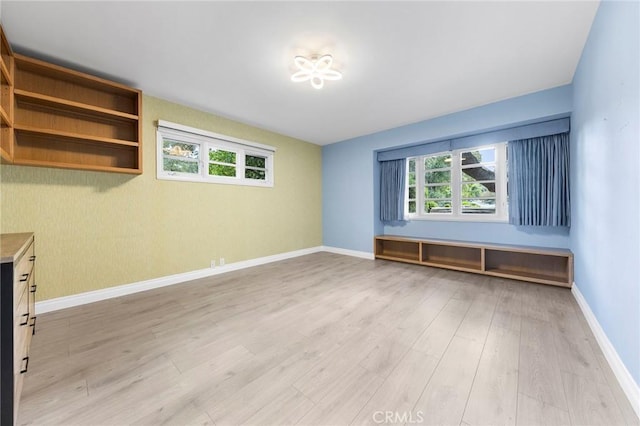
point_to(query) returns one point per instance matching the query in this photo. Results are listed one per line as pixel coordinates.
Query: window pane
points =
(219, 170)
(412, 192)
(437, 206)
(179, 166)
(481, 156)
(255, 174)
(437, 162)
(471, 174)
(412, 206)
(412, 172)
(180, 149)
(473, 190)
(440, 191)
(437, 177)
(477, 206)
(222, 156)
(253, 161)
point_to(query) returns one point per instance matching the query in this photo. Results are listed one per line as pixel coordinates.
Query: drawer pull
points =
(32, 259)
(26, 365)
(33, 325)
(33, 288)
(26, 319)
(24, 278)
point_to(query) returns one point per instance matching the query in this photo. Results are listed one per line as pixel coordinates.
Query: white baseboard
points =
(627, 383)
(123, 290)
(346, 252)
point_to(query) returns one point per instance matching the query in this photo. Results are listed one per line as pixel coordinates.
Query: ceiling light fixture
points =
(316, 69)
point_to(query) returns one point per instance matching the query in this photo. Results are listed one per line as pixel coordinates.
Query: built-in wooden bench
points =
(539, 265)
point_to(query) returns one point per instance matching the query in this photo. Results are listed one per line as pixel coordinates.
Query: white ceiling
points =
(402, 62)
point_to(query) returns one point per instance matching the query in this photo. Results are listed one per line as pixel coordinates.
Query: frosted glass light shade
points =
(315, 70)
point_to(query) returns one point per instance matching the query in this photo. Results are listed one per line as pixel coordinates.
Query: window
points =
(185, 153)
(466, 184)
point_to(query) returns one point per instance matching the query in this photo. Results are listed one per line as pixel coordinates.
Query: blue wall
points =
(605, 191)
(350, 176)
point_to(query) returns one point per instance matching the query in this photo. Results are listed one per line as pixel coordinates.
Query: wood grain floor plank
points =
(287, 409)
(436, 337)
(630, 416)
(477, 321)
(325, 375)
(508, 312)
(346, 399)
(590, 402)
(493, 398)
(400, 391)
(384, 357)
(575, 354)
(445, 396)
(178, 411)
(534, 412)
(540, 376)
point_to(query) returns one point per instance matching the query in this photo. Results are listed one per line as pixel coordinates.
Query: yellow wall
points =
(96, 230)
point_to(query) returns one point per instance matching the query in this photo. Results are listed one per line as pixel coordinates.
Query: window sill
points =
(225, 181)
(445, 218)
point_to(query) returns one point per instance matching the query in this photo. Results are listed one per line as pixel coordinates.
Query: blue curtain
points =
(539, 181)
(392, 177)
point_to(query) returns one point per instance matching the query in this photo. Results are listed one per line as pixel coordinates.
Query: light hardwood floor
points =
(324, 339)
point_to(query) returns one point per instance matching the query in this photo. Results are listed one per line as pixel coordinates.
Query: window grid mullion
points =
(501, 180)
(456, 177)
(420, 185)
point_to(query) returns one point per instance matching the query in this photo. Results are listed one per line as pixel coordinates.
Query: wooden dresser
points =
(17, 318)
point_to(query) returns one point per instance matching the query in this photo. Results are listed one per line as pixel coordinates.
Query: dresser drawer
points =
(21, 328)
(20, 368)
(25, 264)
(23, 273)
(20, 353)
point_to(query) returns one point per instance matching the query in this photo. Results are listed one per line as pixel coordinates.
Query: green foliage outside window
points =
(178, 166)
(220, 170)
(253, 161)
(222, 156)
(255, 174)
(256, 167)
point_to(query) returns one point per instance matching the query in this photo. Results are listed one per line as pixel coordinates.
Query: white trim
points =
(444, 217)
(627, 383)
(200, 132)
(347, 252)
(123, 290)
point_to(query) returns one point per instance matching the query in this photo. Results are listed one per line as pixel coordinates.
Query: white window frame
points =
(501, 214)
(207, 140)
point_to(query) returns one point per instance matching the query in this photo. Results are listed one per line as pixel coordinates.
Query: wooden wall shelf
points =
(56, 117)
(533, 264)
(6, 98)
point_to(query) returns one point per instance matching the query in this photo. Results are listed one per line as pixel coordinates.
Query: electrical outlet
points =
(222, 261)
(213, 263)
